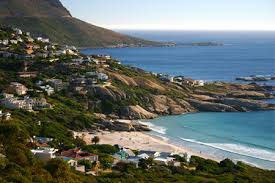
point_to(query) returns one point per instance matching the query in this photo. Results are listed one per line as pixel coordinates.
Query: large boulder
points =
(123, 79)
(248, 105)
(148, 83)
(123, 125)
(136, 112)
(109, 93)
(164, 105)
(248, 95)
(210, 93)
(210, 106)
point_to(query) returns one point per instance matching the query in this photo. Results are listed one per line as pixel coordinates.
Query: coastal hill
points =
(49, 18)
(49, 92)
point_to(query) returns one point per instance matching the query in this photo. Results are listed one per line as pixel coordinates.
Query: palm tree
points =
(95, 140)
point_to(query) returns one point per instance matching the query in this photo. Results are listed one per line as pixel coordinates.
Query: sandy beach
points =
(139, 141)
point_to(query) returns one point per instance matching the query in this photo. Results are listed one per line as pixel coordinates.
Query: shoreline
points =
(141, 141)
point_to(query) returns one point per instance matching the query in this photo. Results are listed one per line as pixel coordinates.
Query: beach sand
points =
(139, 141)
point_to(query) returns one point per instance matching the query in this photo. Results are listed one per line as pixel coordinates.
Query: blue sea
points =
(247, 137)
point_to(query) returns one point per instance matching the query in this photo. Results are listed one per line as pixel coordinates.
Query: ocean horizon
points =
(242, 54)
(247, 137)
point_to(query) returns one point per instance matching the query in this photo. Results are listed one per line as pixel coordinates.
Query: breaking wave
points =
(239, 149)
(158, 129)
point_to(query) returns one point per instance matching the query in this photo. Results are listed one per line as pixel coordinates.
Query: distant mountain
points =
(49, 18)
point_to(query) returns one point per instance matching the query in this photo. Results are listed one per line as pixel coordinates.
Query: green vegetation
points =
(203, 171)
(73, 111)
(95, 140)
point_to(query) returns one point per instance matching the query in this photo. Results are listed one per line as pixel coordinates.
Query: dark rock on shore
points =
(164, 105)
(123, 125)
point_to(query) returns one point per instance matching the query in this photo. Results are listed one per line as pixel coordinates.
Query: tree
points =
(88, 165)
(145, 163)
(95, 140)
(106, 161)
(227, 165)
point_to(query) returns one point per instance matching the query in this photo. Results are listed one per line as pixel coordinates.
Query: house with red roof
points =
(77, 154)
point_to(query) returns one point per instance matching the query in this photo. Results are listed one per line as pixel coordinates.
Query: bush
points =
(105, 148)
(88, 165)
(227, 165)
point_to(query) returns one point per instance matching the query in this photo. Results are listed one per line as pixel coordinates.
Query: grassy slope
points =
(49, 18)
(32, 8)
(71, 31)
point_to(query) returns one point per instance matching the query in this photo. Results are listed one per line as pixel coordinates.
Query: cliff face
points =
(49, 18)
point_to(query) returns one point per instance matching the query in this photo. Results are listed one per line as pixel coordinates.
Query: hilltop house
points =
(13, 41)
(166, 78)
(77, 154)
(199, 83)
(151, 154)
(57, 84)
(99, 75)
(17, 88)
(28, 104)
(5, 42)
(42, 140)
(18, 31)
(48, 89)
(30, 39)
(81, 84)
(44, 40)
(102, 76)
(44, 153)
(5, 115)
(27, 74)
(12, 102)
(42, 149)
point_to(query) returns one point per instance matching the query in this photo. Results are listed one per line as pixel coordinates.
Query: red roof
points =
(76, 154)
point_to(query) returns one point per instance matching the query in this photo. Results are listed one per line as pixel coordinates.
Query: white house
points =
(44, 40)
(144, 156)
(199, 83)
(152, 154)
(5, 42)
(18, 31)
(102, 76)
(30, 39)
(80, 60)
(13, 41)
(48, 89)
(167, 78)
(5, 116)
(57, 84)
(44, 154)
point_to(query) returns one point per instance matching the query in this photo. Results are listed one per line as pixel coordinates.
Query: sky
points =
(176, 14)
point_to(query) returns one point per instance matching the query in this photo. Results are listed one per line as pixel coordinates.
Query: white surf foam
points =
(158, 129)
(246, 162)
(166, 139)
(239, 149)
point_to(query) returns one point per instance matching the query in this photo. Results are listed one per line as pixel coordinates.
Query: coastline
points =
(140, 141)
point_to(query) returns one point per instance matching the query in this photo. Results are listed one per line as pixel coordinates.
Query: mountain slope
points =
(49, 18)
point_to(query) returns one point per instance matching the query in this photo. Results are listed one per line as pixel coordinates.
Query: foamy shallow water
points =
(247, 137)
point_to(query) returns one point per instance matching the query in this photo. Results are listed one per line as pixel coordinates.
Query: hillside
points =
(49, 91)
(49, 18)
